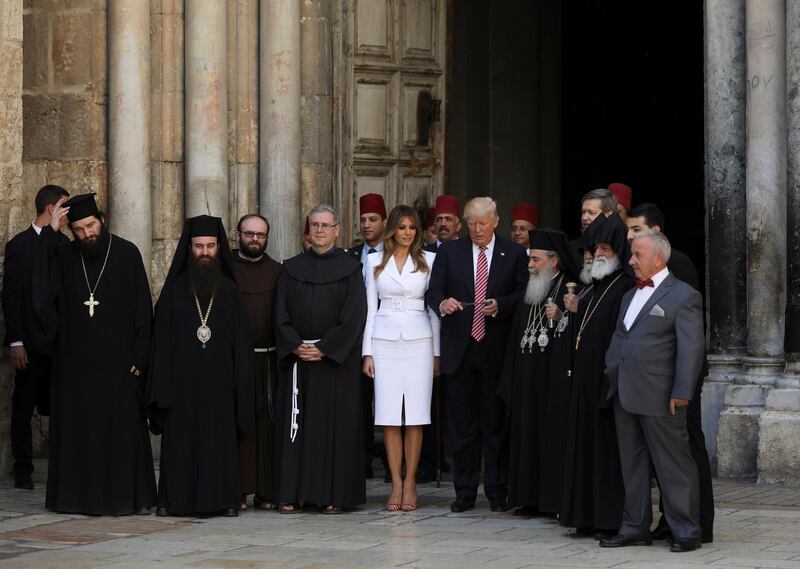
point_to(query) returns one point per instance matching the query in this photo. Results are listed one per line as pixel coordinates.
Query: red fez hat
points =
(623, 193)
(430, 216)
(372, 203)
(307, 230)
(526, 212)
(447, 205)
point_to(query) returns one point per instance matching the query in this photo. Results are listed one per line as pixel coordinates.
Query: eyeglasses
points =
(253, 234)
(322, 226)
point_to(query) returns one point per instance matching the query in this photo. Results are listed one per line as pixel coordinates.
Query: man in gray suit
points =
(652, 364)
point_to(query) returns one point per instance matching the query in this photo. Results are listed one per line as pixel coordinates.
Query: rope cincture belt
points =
(293, 426)
(265, 350)
(269, 380)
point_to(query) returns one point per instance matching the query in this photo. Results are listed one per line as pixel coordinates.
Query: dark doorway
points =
(548, 100)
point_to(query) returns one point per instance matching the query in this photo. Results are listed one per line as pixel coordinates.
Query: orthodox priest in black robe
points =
(91, 296)
(257, 278)
(535, 382)
(200, 388)
(593, 493)
(320, 313)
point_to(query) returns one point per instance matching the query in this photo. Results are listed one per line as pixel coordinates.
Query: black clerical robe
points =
(593, 493)
(535, 388)
(258, 282)
(321, 297)
(100, 457)
(202, 398)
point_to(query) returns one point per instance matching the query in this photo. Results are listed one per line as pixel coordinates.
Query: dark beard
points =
(95, 248)
(253, 251)
(203, 277)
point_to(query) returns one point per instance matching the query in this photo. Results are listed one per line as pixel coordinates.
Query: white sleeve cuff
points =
(15, 345)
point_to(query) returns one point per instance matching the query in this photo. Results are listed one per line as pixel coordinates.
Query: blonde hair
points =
(416, 251)
(480, 206)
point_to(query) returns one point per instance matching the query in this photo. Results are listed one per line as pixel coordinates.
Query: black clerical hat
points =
(556, 241)
(81, 206)
(611, 230)
(204, 226)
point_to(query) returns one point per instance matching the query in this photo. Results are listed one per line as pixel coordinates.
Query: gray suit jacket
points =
(660, 357)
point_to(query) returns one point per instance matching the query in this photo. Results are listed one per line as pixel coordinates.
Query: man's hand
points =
(450, 305)
(437, 366)
(675, 403)
(18, 357)
(490, 307)
(571, 303)
(58, 214)
(368, 368)
(308, 353)
(136, 371)
(552, 311)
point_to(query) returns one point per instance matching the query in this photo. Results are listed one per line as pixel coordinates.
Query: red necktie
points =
(481, 280)
(642, 284)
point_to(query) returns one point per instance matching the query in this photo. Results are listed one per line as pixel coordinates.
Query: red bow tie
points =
(642, 284)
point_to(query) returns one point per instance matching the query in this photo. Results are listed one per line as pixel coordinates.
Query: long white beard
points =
(539, 285)
(602, 267)
(586, 273)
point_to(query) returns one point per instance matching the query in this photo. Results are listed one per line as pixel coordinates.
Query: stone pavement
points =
(757, 526)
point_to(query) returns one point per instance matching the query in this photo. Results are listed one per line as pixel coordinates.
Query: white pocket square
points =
(657, 311)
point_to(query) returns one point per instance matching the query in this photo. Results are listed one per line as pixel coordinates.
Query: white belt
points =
(401, 304)
(265, 350)
(293, 425)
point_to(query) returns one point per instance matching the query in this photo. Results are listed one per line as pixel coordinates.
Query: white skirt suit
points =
(402, 336)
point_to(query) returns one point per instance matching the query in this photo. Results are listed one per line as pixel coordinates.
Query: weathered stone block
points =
(36, 50)
(315, 72)
(72, 47)
(167, 196)
(75, 132)
(316, 115)
(10, 68)
(783, 400)
(162, 253)
(40, 127)
(80, 176)
(10, 130)
(11, 20)
(243, 192)
(737, 442)
(779, 447)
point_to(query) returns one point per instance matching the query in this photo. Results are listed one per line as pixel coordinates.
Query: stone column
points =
(766, 234)
(779, 424)
(726, 299)
(243, 108)
(206, 108)
(280, 138)
(129, 201)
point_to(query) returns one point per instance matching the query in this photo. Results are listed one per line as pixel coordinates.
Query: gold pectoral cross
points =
(91, 303)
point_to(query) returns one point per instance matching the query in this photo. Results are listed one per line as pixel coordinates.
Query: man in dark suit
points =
(372, 223)
(30, 359)
(645, 217)
(652, 364)
(474, 285)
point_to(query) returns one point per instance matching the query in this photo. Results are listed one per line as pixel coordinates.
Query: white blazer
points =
(396, 318)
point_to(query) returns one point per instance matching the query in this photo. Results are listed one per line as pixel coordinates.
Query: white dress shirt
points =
(641, 296)
(476, 251)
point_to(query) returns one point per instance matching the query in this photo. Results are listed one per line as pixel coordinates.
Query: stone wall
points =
(13, 215)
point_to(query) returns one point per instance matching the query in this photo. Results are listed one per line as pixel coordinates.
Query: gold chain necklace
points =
(204, 332)
(588, 315)
(91, 303)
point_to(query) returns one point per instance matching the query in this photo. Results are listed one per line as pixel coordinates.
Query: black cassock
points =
(201, 397)
(100, 457)
(321, 297)
(593, 493)
(535, 387)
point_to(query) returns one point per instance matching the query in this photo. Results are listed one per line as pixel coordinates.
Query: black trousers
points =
(368, 417)
(697, 446)
(476, 421)
(427, 459)
(31, 390)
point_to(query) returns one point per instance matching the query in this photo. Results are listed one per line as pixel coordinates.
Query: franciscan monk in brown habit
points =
(257, 278)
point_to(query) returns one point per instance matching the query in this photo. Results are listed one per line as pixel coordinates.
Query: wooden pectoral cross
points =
(91, 303)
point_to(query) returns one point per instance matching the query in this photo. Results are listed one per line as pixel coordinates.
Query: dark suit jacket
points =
(432, 248)
(659, 358)
(453, 276)
(355, 251)
(17, 286)
(684, 270)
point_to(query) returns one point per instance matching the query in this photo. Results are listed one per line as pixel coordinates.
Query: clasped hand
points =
(308, 353)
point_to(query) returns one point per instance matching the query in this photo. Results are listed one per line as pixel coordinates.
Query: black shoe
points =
(25, 483)
(461, 506)
(499, 505)
(684, 545)
(708, 537)
(601, 534)
(528, 511)
(619, 540)
(143, 511)
(662, 531)
(161, 511)
(230, 512)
